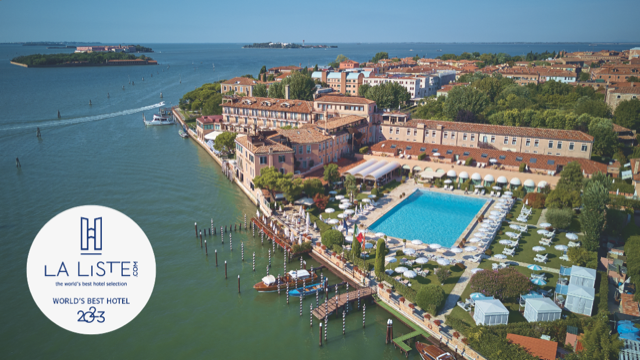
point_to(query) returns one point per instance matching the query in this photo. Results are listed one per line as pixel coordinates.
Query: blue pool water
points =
(432, 217)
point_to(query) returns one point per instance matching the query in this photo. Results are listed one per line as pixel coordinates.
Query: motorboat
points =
(432, 352)
(308, 290)
(294, 278)
(158, 119)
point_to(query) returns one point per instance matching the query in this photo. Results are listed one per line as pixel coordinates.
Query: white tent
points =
(360, 167)
(490, 312)
(580, 299)
(212, 135)
(502, 180)
(582, 276)
(541, 309)
(451, 173)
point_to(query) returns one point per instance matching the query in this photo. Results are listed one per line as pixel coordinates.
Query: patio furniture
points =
(509, 252)
(564, 257)
(545, 242)
(574, 244)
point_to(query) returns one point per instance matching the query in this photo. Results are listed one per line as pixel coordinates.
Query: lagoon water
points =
(103, 154)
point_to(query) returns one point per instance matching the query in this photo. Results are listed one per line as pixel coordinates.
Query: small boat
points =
(432, 352)
(308, 290)
(270, 283)
(158, 119)
(183, 134)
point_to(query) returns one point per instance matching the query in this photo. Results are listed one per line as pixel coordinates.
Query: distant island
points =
(272, 45)
(82, 59)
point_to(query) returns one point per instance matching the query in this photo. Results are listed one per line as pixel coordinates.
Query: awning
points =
(451, 173)
(383, 171)
(417, 168)
(529, 183)
(463, 175)
(212, 135)
(502, 180)
(370, 169)
(304, 201)
(489, 178)
(362, 166)
(476, 177)
(429, 174)
(542, 184)
(406, 167)
(515, 182)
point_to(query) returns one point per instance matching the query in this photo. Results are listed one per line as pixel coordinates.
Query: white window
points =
(535, 143)
(514, 140)
(433, 134)
(527, 142)
(473, 138)
(506, 140)
(446, 134)
(464, 136)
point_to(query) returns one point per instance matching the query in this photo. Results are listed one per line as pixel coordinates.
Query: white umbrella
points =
(344, 206)
(561, 247)
(496, 188)
(542, 231)
(422, 260)
(349, 212)
(506, 196)
(499, 206)
(493, 217)
(379, 234)
(400, 269)
(417, 242)
(443, 261)
(447, 181)
(505, 242)
(333, 221)
(368, 245)
(388, 272)
(339, 197)
(257, 213)
(390, 259)
(366, 200)
(348, 238)
(545, 225)
(329, 210)
(443, 249)
(409, 252)
(538, 248)
(315, 227)
(436, 154)
(500, 256)
(372, 196)
(572, 236)
(345, 201)
(470, 248)
(350, 230)
(476, 270)
(342, 216)
(508, 193)
(514, 227)
(456, 250)
(511, 234)
(409, 274)
(435, 246)
(493, 212)
(485, 225)
(474, 240)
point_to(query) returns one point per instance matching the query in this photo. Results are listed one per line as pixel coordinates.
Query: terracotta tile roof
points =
(288, 67)
(337, 122)
(263, 146)
(628, 306)
(555, 73)
(503, 130)
(627, 90)
(344, 99)
(514, 159)
(617, 128)
(544, 349)
(251, 102)
(302, 136)
(240, 81)
(208, 119)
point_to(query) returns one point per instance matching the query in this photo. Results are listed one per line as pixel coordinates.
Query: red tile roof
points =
(271, 104)
(305, 135)
(544, 349)
(628, 306)
(534, 161)
(503, 130)
(263, 146)
(240, 81)
(627, 90)
(344, 99)
(208, 119)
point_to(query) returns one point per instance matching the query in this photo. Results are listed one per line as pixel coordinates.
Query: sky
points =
(367, 21)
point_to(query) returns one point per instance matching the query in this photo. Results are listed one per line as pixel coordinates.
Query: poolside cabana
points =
(580, 299)
(464, 176)
(502, 181)
(582, 276)
(541, 185)
(541, 309)
(406, 169)
(430, 175)
(416, 170)
(529, 185)
(476, 179)
(451, 174)
(515, 182)
(490, 312)
(383, 174)
(488, 180)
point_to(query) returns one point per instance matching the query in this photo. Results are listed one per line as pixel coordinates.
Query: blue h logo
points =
(88, 234)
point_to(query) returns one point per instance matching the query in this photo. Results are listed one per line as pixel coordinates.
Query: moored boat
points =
(432, 352)
(161, 119)
(293, 278)
(308, 290)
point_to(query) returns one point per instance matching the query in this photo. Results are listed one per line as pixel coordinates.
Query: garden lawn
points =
(514, 313)
(515, 212)
(419, 281)
(525, 252)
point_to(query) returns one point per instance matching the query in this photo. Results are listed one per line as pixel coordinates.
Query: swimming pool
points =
(433, 217)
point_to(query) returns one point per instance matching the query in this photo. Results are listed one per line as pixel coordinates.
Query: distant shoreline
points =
(129, 63)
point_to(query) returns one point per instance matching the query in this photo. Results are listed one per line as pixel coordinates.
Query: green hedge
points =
(404, 290)
(364, 150)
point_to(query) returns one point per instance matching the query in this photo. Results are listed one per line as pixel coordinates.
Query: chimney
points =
(286, 92)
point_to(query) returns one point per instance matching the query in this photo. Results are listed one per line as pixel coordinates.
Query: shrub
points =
(422, 156)
(399, 253)
(430, 297)
(364, 150)
(502, 284)
(321, 201)
(466, 185)
(522, 167)
(603, 305)
(332, 237)
(469, 161)
(337, 249)
(443, 274)
(300, 248)
(560, 218)
(404, 178)
(488, 252)
(518, 192)
(535, 200)
(375, 192)
(583, 257)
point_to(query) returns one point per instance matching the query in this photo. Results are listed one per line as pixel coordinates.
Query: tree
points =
(442, 273)
(355, 249)
(321, 201)
(627, 114)
(350, 184)
(597, 108)
(260, 90)
(313, 187)
(465, 98)
(380, 253)
(490, 86)
(563, 198)
(362, 90)
(331, 173)
(315, 68)
(332, 237)
(379, 56)
(582, 257)
(268, 179)
(585, 76)
(340, 58)
(593, 214)
(571, 177)
(225, 142)
(605, 140)
(507, 283)
(559, 218)
(212, 105)
(276, 90)
(598, 342)
(291, 188)
(263, 69)
(388, 95)
(301, 86)
(430, 297)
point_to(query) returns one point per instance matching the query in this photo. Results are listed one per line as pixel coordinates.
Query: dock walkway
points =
(271, 235)
(320, 313)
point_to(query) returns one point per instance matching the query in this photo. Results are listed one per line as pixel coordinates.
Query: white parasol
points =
(400, 269)
(435, 246)
(443, 261)
(329, 210)
(409, 274)
(538, 248)
(417, 242)
(470, 248)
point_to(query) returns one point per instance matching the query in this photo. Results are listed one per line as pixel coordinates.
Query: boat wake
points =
(80, 120)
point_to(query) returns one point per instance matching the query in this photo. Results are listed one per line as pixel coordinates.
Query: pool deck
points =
(391, 200)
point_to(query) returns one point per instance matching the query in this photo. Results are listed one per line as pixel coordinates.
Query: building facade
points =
(208, 124)
(615, 96)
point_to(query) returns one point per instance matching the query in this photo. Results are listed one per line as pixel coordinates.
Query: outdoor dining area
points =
(350, 210)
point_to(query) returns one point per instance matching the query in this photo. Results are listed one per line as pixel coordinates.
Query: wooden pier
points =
(271, 235)
(319, 312)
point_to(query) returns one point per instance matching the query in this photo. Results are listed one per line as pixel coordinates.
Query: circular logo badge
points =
(91, 269)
